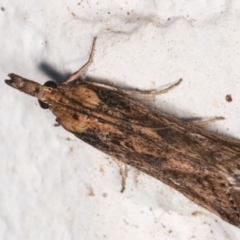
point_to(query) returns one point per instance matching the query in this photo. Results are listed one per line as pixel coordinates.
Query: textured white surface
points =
(53, 186)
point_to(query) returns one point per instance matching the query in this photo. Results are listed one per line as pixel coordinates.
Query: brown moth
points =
(201, 165)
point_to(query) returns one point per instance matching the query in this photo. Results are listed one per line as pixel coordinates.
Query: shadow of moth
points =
(201, 165)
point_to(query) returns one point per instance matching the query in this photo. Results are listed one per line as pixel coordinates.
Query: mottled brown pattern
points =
(201, 165)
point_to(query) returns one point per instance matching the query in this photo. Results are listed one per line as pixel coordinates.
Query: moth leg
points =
(82, 71)
(210, 121)
(149, 93)
(123, 173)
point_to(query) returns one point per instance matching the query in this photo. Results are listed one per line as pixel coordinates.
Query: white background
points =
(52, 185)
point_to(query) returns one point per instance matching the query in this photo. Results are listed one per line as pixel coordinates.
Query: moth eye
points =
(50, 84)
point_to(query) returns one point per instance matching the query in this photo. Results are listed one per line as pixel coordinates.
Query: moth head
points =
(50, 84)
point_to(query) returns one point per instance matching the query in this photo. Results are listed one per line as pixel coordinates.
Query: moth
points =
(201, 165)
